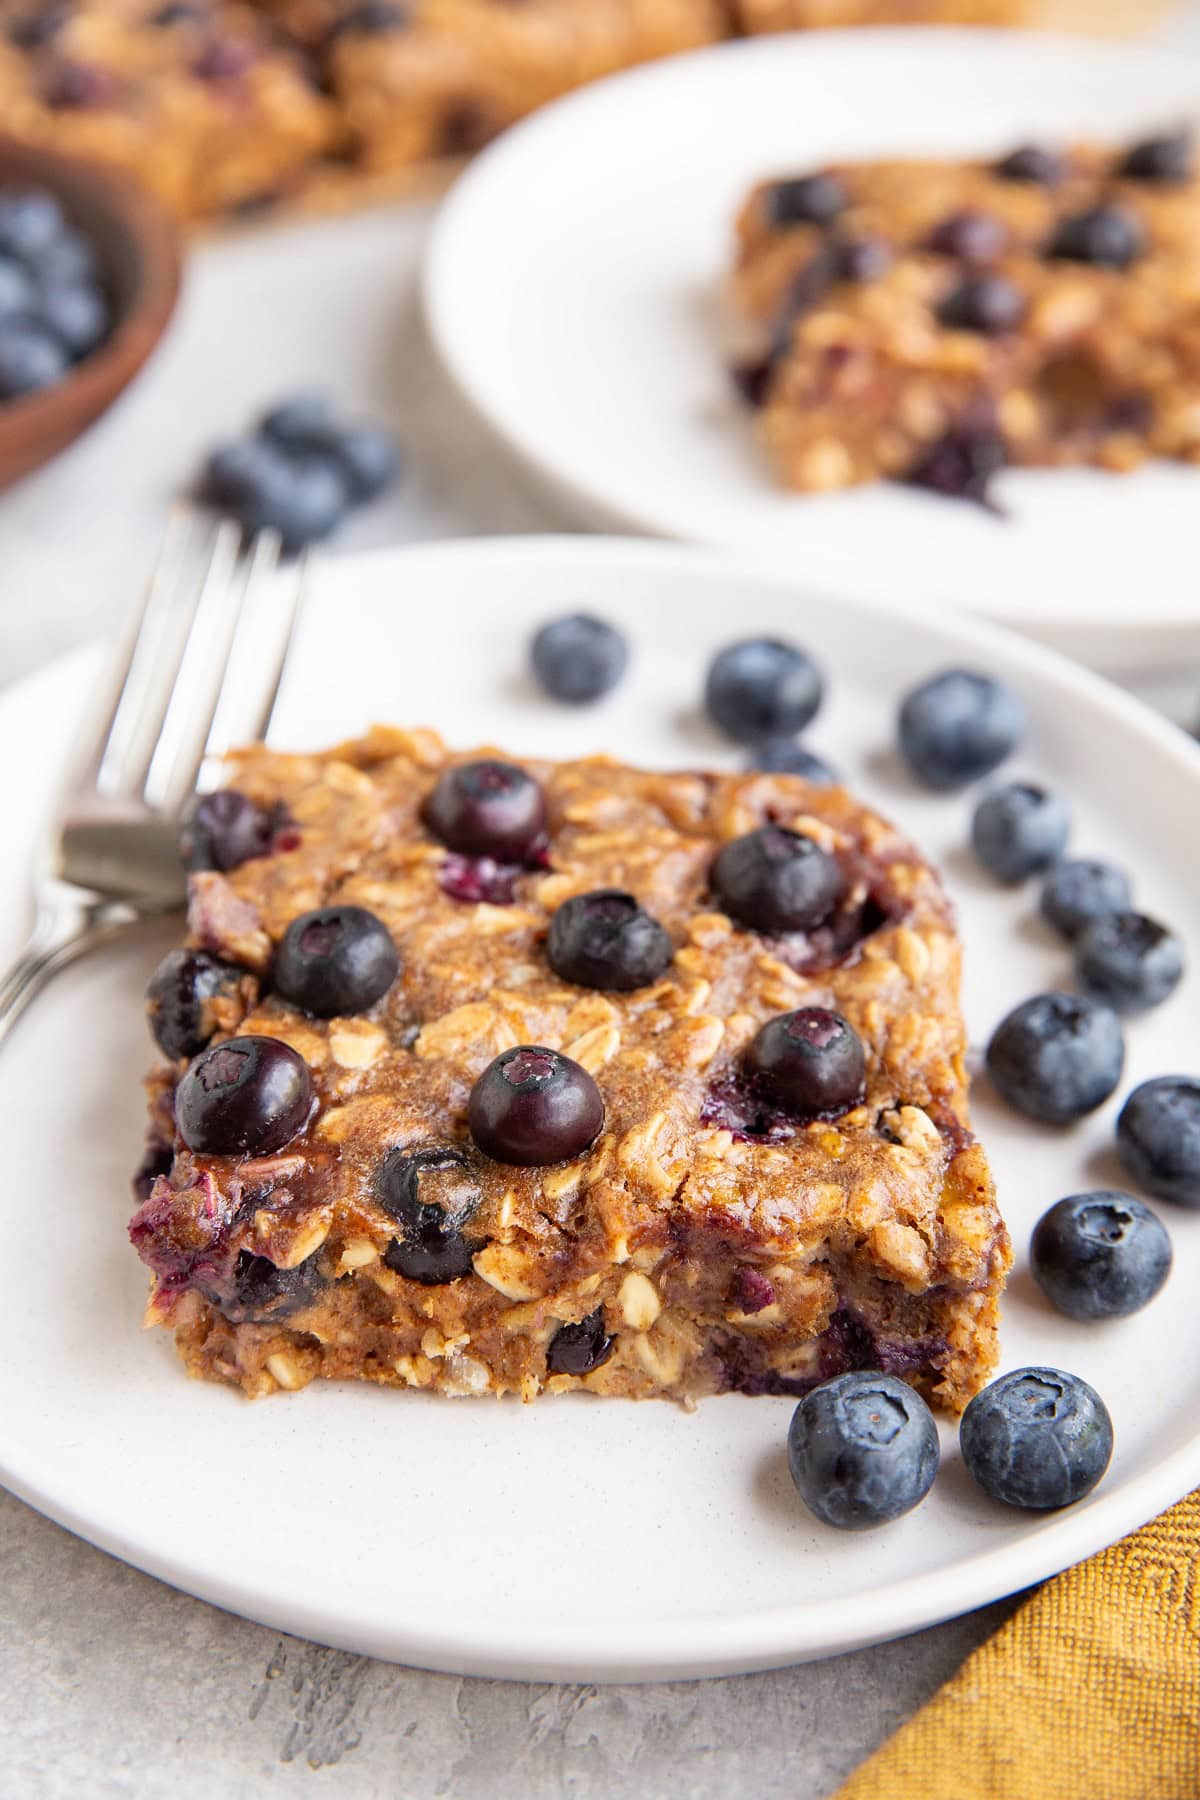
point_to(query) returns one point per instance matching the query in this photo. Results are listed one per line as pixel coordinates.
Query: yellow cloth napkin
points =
(1091, 1691)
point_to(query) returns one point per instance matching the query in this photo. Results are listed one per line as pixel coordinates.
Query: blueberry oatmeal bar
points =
(931, 321)
(531, 1078)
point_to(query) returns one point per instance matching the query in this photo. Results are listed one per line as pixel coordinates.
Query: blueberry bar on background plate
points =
(486, 1077)
(931, 321)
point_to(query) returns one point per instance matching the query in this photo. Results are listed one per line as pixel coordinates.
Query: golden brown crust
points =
(872, 1236)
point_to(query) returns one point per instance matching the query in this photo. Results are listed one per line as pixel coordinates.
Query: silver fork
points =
(110, 858)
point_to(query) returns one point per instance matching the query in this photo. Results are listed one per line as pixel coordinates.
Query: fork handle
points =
(62, 931)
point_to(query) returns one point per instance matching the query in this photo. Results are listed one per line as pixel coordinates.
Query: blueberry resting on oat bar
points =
(777, 881)
(335, 960)
(549, 1159)
(488, 809)
(225, 829)
(182, 1000)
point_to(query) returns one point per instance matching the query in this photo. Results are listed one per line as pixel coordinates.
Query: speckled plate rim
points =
(706, 1645)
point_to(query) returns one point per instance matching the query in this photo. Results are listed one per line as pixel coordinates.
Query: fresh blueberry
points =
(1037, 1438)
(578, 1349)
(958, 726)
(1109, 237)
(180, 12)
(961, 464)
(989, 304)
(1169, 159)
(1057, 1057)
(365, 456)
(579, 658)
(863, 259)
(335, 961)
(810, 1062)
(293, 421)
(534, 1106)
(862, 1449)
(180, 1000)
(68, 258)
(30, 221)
(265, 488)
(30, 358)
(246, 1097)
(77, 313)
(1019, 828)
(784, 756)
(1032, 163)
(761, 689)
(606, 940)
(1100, 1256)
(488, 809)
(973, 237)
(1078, 892)
(806, 200)
(17, 291)
(1129, 961)
(40, 24)
(223, 830)
(1158, 1136)
(430, 1194)
(260, 1292)
(373, 18)
(157, 1160)
(776, 881)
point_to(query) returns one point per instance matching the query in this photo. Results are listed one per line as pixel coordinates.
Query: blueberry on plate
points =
(578, 658)
(1057, 1057)
(335, 961)
(1037, 1438)
(1019, 828)
(958, 726)
(533, 1106)
(1081, 890)
(223, 830)
(776, 881)
(180, 999)
(862, 1450)
(430, 1194)
(30, 358)
(1129, 961)
(487, 808)
(246, 1097)
(784, 756)
(762, 689)
(1158, 1136)
(806, 200)
(606, 940)
(1101, 1255)
(578, 1349)
(810, 1062)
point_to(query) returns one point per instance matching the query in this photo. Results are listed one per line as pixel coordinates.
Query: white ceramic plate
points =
(574, 1539)
(572, 288)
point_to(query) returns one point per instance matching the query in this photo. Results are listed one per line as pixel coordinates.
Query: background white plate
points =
(572, 288)
(574, 1539)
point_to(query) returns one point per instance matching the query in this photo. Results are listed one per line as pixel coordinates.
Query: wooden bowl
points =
(139, 251)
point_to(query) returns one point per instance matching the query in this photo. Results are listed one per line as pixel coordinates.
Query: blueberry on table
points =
(1037, 1438)
(1101, 1255)
(578, 1349)
(806, 200)
(430, 1194)
(989, 304)
(31, 358)
(777, 881)
(1168, 159)
(180, 996)
(302, 496)
(1107, 237)
(223, 830)
(578, 658)
(1019, 828)
(1057, 1057)
(335, 961)
(488, 808)
(761, 688)
(246, 1097)
(862, 1450)
(1080, 891)
(1034, 164)
(606, 940)
(365, 456)
(958, 726)
(1129, 961)
(784, 756)
(1158, 1136)
(810, 1062)
(533, 1106)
